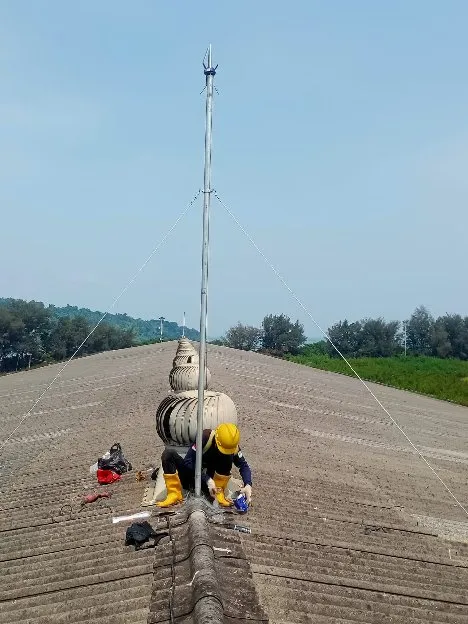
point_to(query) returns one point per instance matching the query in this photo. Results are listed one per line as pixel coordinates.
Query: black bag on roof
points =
(140, 532)
(116, 462)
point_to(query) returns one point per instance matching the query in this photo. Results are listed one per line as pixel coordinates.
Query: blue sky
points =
(340, 142)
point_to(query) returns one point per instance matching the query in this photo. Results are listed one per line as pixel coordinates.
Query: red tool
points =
(92, 498)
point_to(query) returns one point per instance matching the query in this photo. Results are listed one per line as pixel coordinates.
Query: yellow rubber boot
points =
(221, 482)
(174, 490)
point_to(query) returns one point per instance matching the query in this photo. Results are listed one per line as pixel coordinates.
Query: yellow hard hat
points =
(227, 438)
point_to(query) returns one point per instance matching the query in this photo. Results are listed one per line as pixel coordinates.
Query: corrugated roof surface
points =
(63, 562)
(70, 568)
(346, 520)
(60, 562)
(348, 525)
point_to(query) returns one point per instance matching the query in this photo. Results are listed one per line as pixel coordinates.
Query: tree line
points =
(278, 336)
(30, 334)
(144, 330)
(422, 334)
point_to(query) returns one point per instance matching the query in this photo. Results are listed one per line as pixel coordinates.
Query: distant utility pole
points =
(404, 335)
(183, 326)
(161, 321)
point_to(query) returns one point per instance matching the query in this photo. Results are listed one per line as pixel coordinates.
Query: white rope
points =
(324, 333)
(113, 304)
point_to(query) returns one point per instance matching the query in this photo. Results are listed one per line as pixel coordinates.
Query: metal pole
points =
(210, 72)
(161, 320)
(404, 327)
(183, 326)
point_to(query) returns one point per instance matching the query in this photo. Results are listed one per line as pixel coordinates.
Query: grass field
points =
(442, 379)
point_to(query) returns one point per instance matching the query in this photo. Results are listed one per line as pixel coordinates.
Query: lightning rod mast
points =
(210, 73)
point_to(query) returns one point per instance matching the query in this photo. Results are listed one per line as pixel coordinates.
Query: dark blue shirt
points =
(215, 461)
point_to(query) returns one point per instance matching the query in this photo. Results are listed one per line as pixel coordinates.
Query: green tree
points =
(365, 338)
(24, 329)
(106, 338)
(243, 337)
(30, 334)
(441, 346)
(419, 332)
(6, 344)
(378, 338)
(281, 336)
(67, 336)
(346, 337)
(455, 328)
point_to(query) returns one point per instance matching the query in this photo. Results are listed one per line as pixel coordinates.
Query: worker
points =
(220, 450)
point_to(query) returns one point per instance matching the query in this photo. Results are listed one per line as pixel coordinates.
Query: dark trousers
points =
(172, 462)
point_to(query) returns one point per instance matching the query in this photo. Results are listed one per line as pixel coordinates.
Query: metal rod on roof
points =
(161, 321)
(210, 72)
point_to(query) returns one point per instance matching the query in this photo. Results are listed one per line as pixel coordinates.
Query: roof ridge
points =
(214, 592)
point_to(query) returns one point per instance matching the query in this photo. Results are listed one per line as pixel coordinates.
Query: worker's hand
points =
(210, 484)
(247, 491)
